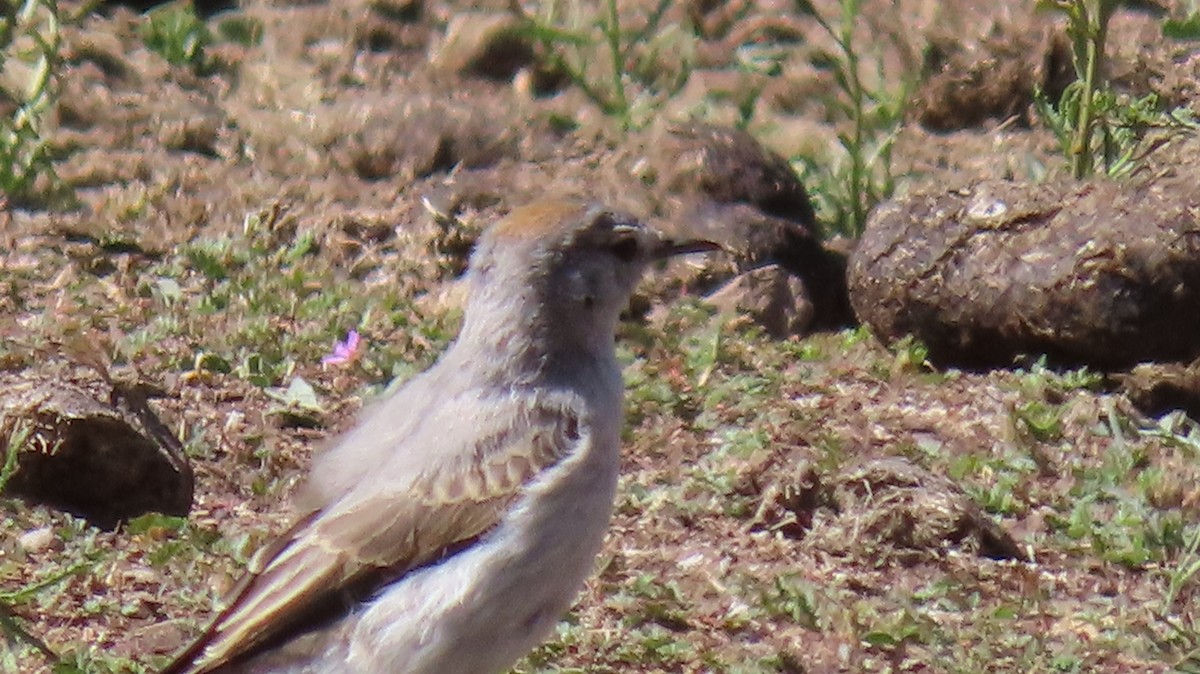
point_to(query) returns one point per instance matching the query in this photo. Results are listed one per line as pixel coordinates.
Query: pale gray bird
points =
(450, 530)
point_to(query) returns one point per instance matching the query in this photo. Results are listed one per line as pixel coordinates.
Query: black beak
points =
(669, 248)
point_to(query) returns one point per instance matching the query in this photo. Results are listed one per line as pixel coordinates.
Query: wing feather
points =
(326, 553)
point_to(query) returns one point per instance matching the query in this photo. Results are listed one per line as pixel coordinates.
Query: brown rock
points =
(1100, 274)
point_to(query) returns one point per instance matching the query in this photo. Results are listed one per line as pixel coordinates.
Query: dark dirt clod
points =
(104, 460)
(1099, 274)
(995, 79)
(1156, 388)
(729, 166)
(893, 506)
(728, 188)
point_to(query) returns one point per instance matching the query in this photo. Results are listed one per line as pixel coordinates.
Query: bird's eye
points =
(625, 248)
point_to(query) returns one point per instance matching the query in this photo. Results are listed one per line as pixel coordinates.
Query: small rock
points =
(993, 79)
(771, 297)
(156, 638)
(38, 540)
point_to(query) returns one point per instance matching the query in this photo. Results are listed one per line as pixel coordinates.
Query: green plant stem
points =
(843, 36)
(18, 435)
(24, 155)
(1088, 20)
(857, 160)
(13, 630)
(612, 33)
(18, 596)
(1082, 161)
(9, 625)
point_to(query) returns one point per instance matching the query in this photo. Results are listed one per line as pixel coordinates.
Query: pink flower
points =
(345, 351)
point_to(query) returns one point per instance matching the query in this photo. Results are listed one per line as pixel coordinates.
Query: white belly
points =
(484, 608)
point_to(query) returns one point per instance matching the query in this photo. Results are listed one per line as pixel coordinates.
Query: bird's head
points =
(568, 266)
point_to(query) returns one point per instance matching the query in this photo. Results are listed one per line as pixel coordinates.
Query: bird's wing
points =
(378, 537)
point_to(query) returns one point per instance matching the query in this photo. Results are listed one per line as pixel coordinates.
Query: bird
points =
(451, 528)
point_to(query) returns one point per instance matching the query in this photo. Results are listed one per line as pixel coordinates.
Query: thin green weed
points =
(1185, 23)
(627, 71)
(30, 46)
(1096, 127)
(10, 622)
(174, 32)
(862, 173)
